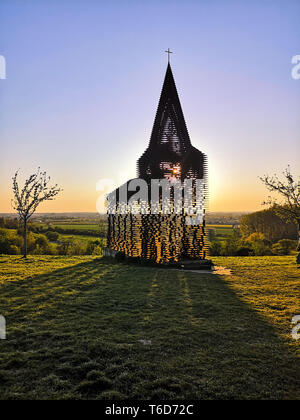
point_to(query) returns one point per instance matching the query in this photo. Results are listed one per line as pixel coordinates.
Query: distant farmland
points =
(94, 229)
(75, 226)
(220, 229)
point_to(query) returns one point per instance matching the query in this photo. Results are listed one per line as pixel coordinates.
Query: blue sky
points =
(84, 79)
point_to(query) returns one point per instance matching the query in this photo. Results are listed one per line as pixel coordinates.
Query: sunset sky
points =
(84, 79)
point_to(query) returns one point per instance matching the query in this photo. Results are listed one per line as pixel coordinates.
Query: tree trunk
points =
(298, 247)
(25, 239)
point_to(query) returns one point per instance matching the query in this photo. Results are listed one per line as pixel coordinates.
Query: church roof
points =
(170, 152)
(170, 146)
(169, 124)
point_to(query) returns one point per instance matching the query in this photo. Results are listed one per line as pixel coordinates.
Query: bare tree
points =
(287, 201)
(36, 190)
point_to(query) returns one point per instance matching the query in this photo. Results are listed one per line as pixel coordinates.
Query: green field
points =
(74, 325)
(227, 229)
(91, 227)
(81, 238)
(76, 230)
(222, 231)
(78, 226)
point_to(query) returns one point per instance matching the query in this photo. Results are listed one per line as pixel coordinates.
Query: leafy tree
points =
(287, 197)
(283, 247)
(230, 246)
(77, 248)
(52, 236)
(215, 248)
(244, 251)
(26, 200)
(41, 241)
(261, 248)
(268, 223)
(212, 234)
(97, 250)
(14, 250)
(259, 244)
(10, 223)
(42, 245)
(64, 246)
(94, 248)
(10, 242)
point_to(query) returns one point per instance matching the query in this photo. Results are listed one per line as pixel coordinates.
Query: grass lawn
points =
(74, 325)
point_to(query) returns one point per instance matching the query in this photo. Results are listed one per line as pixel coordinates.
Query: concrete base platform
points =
(196, 265)
(222, 271)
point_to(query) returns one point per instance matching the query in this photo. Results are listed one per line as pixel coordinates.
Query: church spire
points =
(169, 124)
(170, 150)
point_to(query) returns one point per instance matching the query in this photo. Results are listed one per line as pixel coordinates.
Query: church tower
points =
(173, 238)
(170, 152)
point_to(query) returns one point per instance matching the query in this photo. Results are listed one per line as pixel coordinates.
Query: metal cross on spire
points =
(169, 52)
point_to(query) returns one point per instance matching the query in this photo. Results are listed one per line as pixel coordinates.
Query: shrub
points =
(284, 247)
(9, 223)
(259, 244)
(41, 241)
(93, 248)
(254, 237)
(244, 251)
(261, 249)
(230, 246)
(97, 250)
(77, 248)
(71, 247)
(14, 250)
(52, 236)
(41, 244)
(212, 233)
(215, 248)
(63, 247)
(10, 242)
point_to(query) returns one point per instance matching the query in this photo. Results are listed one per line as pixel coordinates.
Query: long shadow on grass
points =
(228, 349)
(75, 333)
